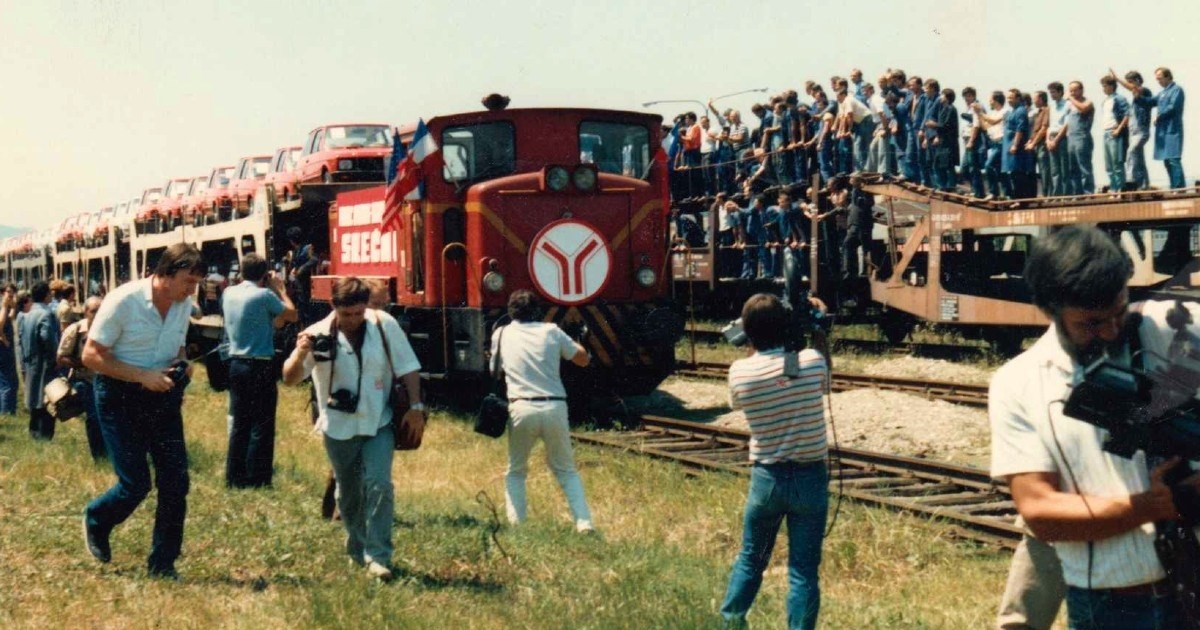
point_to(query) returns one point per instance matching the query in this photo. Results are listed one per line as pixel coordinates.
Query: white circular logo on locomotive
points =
(569, 261)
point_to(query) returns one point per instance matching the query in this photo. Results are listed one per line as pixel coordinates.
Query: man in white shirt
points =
(134, 346)
(1097, 509)
(529, 352)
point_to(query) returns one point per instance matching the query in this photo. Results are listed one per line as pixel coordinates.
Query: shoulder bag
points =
(408, 431)
(62, 400)
(492, 417)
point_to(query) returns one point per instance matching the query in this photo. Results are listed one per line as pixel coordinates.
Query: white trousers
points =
(527, 422)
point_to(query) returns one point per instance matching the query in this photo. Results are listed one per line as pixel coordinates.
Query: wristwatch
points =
(417, 407)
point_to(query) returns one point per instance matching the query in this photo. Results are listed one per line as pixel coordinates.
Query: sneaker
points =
(585, 527)
(96, 543)
(379, 572)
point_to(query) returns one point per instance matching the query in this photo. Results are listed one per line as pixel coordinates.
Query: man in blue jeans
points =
(1080, 114)
(782, 398)
(135, 339)
(252, 312)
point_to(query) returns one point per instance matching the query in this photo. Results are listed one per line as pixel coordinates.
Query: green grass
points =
(263, 559)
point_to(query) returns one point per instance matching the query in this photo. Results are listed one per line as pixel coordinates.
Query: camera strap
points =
(333, 352)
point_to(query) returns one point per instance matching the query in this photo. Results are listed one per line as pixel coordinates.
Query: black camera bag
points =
(492, 418)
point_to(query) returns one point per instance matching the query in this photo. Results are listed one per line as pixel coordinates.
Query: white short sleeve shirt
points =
(531, 354)
(373, 412)
(138, 335)
(1031, 434)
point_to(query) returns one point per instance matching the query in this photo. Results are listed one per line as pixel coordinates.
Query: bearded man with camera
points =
(353, 356)
(1109, 506)
(135, 347)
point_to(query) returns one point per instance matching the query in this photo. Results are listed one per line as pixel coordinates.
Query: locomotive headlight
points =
(557, 178)
(493, 281)
(584, 178)
(645, 277)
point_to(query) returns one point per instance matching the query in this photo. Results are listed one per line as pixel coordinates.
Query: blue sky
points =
(106, 97)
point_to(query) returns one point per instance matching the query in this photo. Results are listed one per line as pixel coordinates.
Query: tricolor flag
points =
(405, 183)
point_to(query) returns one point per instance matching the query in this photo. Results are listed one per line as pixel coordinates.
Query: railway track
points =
(959, 393)
(945, 351)
(965, 499)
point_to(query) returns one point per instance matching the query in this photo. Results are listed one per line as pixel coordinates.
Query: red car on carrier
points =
(216, 202)
(147, 205)
(171, 207)
(250, 171)
(192, 205)
(345, 153)
(283, 173)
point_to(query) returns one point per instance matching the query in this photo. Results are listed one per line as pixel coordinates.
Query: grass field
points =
(263, 558)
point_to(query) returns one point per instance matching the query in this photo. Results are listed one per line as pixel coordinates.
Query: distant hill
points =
(8, 230)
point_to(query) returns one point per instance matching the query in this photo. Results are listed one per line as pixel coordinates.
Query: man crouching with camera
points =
(353, 356)
(1097, 509)
(135, 346)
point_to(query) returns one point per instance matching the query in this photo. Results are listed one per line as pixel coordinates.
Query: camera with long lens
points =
(342, 400)
(322, 347)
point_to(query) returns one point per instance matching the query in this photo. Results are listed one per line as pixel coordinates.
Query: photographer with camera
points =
(70, 356)
(252, 310)
(1098, 509)
(782, 393)
(136, 348)
(530, 352)
(354, 355)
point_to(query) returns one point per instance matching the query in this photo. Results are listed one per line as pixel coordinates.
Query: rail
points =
(958, 393)
(965, 499)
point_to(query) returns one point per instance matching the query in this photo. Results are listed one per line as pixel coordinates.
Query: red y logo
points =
(570, 266)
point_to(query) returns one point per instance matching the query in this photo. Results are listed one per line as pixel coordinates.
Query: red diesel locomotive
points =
(566, 202)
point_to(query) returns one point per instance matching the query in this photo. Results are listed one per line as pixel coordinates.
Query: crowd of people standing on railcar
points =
(1006, 144)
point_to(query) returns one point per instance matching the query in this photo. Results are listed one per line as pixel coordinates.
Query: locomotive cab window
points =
(477, 152)
(615, 148)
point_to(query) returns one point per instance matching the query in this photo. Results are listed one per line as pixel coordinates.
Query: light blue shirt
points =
(250, 311)
(129, 324)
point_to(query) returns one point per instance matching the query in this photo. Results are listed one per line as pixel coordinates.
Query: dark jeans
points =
(41, 424)
(1103, 610)
(799, 493)
(253, 395)
(856, 238)
(91, 421)
(8, 380)
(137, 423)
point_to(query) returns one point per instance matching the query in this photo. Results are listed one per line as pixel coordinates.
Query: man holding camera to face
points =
(1098, 509)
(353, 356)
(252, 310)
(781, 391)
(135, 347)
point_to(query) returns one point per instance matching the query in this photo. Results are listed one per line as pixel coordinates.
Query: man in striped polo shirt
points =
(782, 399)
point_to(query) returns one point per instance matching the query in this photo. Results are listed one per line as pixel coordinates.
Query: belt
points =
(242, 358)
(1161, 588)
(538, 399)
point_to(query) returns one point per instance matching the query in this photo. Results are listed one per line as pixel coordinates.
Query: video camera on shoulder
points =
(802, 323)
(1151, 410)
